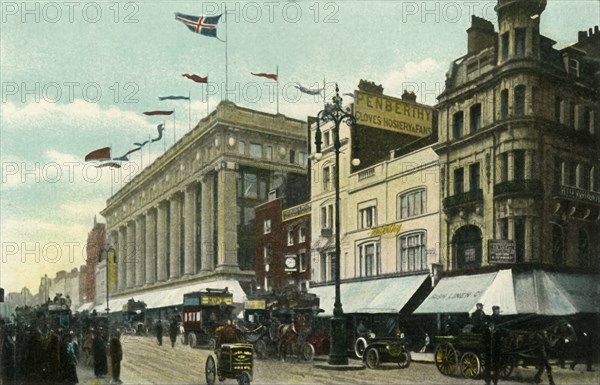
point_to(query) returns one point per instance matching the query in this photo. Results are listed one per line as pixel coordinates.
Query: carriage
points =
(233, 361)
(203, 312)
(134, 317)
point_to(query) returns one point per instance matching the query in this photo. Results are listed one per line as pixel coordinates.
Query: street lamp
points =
(334, 113)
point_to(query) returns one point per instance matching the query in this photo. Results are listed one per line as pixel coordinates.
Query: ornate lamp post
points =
(334, 113)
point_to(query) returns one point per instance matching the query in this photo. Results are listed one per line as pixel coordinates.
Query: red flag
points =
(196, 78)
(100, 154)
(158, 113)
(264, 75)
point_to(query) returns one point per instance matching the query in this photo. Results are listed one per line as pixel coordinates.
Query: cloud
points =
(425, 78)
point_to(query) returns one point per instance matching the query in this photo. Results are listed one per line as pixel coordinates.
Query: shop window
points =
(467, 247)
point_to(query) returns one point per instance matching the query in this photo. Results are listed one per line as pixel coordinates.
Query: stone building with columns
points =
(188, 218)
(518, 147)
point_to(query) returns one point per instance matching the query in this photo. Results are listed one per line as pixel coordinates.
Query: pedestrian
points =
(492, 338)
(87, 348)
(173, 330)
(116, 355)
(99, 350)
(478, 318)
(159, 332)
(70, 364)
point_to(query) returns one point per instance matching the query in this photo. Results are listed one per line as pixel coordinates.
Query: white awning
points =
(174, 296)
(386, 295)
(86, 306)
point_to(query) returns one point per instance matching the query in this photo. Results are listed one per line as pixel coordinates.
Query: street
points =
(144, 362)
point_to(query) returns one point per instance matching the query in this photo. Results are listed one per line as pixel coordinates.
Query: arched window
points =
(467, 247)
(558, 245)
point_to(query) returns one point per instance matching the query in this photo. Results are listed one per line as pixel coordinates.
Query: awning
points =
(86, 306)
(531, 292)
(386, 295)
(174, 296)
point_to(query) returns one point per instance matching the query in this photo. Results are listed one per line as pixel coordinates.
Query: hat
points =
(495, 307)
(479, 304)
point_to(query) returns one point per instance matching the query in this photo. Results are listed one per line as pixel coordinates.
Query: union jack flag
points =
(204, 25)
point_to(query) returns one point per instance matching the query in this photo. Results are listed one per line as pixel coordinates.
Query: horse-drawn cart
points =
(234, 361)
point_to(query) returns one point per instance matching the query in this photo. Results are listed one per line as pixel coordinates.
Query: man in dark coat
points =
(492, 339)
(69, 359)
(173, 330)
(99, 351)
(159, 332)
(478, 318)
(116, 355)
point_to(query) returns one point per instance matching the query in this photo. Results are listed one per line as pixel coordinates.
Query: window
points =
(586, 178)
(249, 185)
(572, 174)
(366, 218)
(475, 117)
(520, 100)
(503, 228)
(504, 104)
(457, 124)
(519, 238)
(519, 166)
(242, 147)
(474, 177)
(558, 171)
(557, 244)
(267, 253)
(505, 38)
(504, 167)
(459, 181)
(587, 120)
(520, 42)
(290, 237)
(326, 139)
(302, 261)
(303, 158)
(558, 104)
(267, 226)
(412, 204)
(327, 178)
(412, 252)
(574, 67)
(327, 263)
(301, 235)
(572, 115)
(255, 150)
(327, 217)
(268, 152)
(292, 156)
(369, 259)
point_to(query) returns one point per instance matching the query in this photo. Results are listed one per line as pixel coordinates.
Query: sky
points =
(76, 76)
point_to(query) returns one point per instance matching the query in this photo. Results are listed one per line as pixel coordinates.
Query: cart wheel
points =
(308, 351)
(359, 347)
(191, 340)
(372, 358)
(446, 359)
(506, 368)
(210, 370)
(212, 344)
(470, 366)
(244, 378)
(260, 347)
(404, 360)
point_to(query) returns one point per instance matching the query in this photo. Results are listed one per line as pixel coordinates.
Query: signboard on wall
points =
(501, 251)
(393, 114)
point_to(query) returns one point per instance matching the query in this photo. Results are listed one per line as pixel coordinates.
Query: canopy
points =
(158, 298)
(386, 295)
(531, 292)
(86, 306)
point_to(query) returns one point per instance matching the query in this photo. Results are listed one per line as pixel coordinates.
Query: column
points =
(161, 242)
(207, 222)
(227, 219)
(131, 254)
(150, 246)
(528, 172)
(121, 258)
(189, 228)
(140, 256)
(175, 230)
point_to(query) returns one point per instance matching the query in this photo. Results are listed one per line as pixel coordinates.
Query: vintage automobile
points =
(381, 350)
(234, 361)
(317, 341)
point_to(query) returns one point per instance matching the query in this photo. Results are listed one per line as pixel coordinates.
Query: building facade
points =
(95, 247)
(519, 146)
(189, 216)
(283, 243)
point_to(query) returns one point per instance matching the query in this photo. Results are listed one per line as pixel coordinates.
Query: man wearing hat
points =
(492, 339)
(478, 318)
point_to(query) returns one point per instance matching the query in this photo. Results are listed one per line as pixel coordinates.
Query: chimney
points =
(581, 36)
(409, 96)
(481, 35)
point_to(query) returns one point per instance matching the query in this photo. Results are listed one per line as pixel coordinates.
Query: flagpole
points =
(190, 110)
(111, 174)
(226, 57)
(277, 89)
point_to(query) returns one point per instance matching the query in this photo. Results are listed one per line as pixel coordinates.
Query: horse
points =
(535, 345)
(287, 335)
